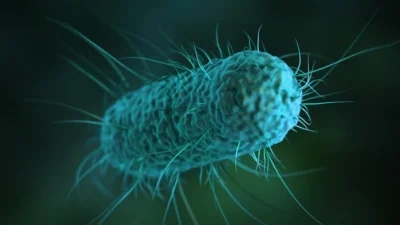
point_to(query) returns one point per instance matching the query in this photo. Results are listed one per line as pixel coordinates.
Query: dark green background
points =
(356, 141)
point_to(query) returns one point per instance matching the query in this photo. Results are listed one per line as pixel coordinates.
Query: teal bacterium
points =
(224, 106)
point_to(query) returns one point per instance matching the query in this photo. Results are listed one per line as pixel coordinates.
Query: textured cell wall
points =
(224, 109)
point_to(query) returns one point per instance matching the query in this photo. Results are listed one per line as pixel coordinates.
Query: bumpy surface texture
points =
(224, 109)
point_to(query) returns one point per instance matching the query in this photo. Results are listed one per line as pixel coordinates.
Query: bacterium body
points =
(221, 108)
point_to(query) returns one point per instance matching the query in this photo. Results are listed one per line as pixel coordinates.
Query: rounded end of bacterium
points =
(268, 96)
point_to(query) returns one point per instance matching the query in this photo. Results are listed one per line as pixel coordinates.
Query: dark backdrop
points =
(357, 141)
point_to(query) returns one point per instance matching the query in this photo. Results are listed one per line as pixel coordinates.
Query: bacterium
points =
(222, 107)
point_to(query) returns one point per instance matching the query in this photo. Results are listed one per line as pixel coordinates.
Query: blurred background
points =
(355, 141)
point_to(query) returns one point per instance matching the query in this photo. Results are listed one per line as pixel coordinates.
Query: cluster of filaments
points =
(264, 158)
(211, 174)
